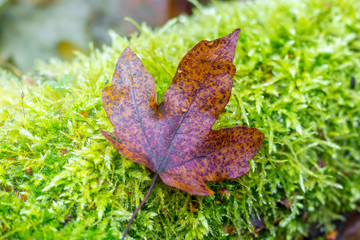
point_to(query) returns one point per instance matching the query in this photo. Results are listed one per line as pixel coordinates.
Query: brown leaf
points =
(174, 138)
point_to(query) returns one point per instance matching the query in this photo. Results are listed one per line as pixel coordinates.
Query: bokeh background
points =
(32, 30)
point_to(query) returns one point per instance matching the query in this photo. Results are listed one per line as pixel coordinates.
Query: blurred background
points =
(41, 29)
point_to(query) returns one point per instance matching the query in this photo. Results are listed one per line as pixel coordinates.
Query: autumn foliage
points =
(174, 138)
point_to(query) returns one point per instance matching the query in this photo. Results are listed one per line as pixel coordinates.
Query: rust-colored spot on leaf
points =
(174, 139)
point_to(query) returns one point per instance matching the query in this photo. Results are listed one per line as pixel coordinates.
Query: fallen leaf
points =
(174, 139)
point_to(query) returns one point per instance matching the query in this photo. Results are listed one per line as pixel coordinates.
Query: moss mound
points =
(60, 179)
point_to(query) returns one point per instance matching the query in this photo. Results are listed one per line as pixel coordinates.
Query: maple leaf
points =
(174, 138)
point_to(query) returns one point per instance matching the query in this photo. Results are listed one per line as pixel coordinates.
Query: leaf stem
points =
(140, 205)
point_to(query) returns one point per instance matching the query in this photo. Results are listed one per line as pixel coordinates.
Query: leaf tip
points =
(236, 32)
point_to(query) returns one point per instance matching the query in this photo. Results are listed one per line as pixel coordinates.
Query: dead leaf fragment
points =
(31, 82)
(229, 229)
(332, 235)
(28, 170)
(194, 208)
(277, 220)
(174, 138)
(286, 202)
(68, 217)
(258, 223)
(84, 113)
(23, 197)
(64, 151)
(224, 192)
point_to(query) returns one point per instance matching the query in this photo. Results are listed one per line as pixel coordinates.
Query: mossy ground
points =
(294, 63)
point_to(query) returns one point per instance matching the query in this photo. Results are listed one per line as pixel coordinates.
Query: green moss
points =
(294, 63)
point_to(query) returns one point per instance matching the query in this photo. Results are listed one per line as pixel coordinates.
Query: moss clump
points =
(60, 179)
